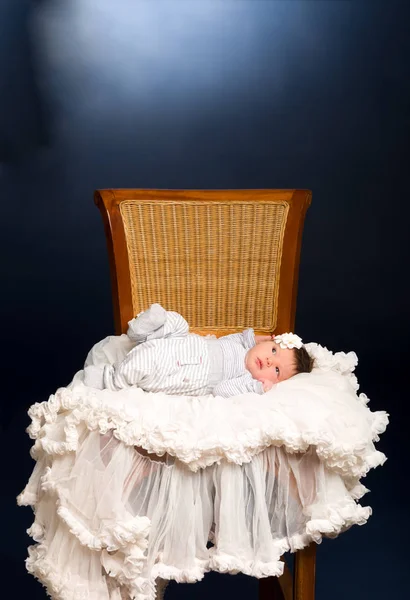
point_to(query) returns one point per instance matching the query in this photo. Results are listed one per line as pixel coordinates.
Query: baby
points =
(167, 358)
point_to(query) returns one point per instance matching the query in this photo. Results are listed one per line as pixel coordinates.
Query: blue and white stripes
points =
(178, 363)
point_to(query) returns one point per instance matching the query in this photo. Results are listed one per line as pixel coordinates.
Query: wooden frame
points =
(109, 201)
(300, 586)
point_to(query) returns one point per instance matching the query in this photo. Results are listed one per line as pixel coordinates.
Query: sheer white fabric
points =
(241, 481)
(110, 521)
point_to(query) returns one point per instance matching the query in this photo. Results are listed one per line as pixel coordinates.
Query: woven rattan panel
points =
(217, 263)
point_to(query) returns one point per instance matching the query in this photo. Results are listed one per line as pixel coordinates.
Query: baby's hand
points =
(267, 385)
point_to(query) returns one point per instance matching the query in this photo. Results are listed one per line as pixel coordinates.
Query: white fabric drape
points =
(242, 480)
(108, 517)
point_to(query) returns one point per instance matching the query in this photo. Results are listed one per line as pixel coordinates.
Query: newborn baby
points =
(167, 358)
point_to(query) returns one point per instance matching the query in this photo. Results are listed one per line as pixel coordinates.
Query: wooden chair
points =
(226, 260)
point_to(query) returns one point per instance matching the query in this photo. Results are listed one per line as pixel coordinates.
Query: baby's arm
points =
(238, 385)
(245, 338)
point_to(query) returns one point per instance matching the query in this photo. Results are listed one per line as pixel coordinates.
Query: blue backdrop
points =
(208, 94)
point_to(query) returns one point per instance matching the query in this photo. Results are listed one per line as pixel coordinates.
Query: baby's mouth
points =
(259, 363)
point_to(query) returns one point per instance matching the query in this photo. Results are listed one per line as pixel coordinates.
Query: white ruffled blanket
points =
(254, 475)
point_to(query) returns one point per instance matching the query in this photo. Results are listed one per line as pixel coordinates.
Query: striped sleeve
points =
(246, 338)
(238, 385)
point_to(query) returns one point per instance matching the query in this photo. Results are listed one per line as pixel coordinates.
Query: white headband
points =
(288, 340)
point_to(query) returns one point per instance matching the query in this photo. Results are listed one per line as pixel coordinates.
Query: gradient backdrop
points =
(208, 94)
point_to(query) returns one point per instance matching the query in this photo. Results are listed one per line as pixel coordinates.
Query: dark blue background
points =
(208, 94)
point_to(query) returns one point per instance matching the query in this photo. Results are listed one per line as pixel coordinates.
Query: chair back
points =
(224, 259)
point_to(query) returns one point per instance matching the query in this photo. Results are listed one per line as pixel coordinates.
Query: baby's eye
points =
(273, 350)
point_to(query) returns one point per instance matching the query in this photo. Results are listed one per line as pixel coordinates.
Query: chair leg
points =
(304, 574)
(269, 589)
(162, 585)
(277, 588)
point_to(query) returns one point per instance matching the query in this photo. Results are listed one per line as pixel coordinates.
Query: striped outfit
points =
(187, 364)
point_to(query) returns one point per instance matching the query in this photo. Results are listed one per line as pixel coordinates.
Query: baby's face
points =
(267, 361)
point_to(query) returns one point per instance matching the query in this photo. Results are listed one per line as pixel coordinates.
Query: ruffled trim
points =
(67, 586)
(57, 585)
(126, 539)
(122, 552)
(121, 549)
(224, 563)
(112, 538)
(27, 498)
(336, 520)
(67, 409)
(192, 575)
(343, 363)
